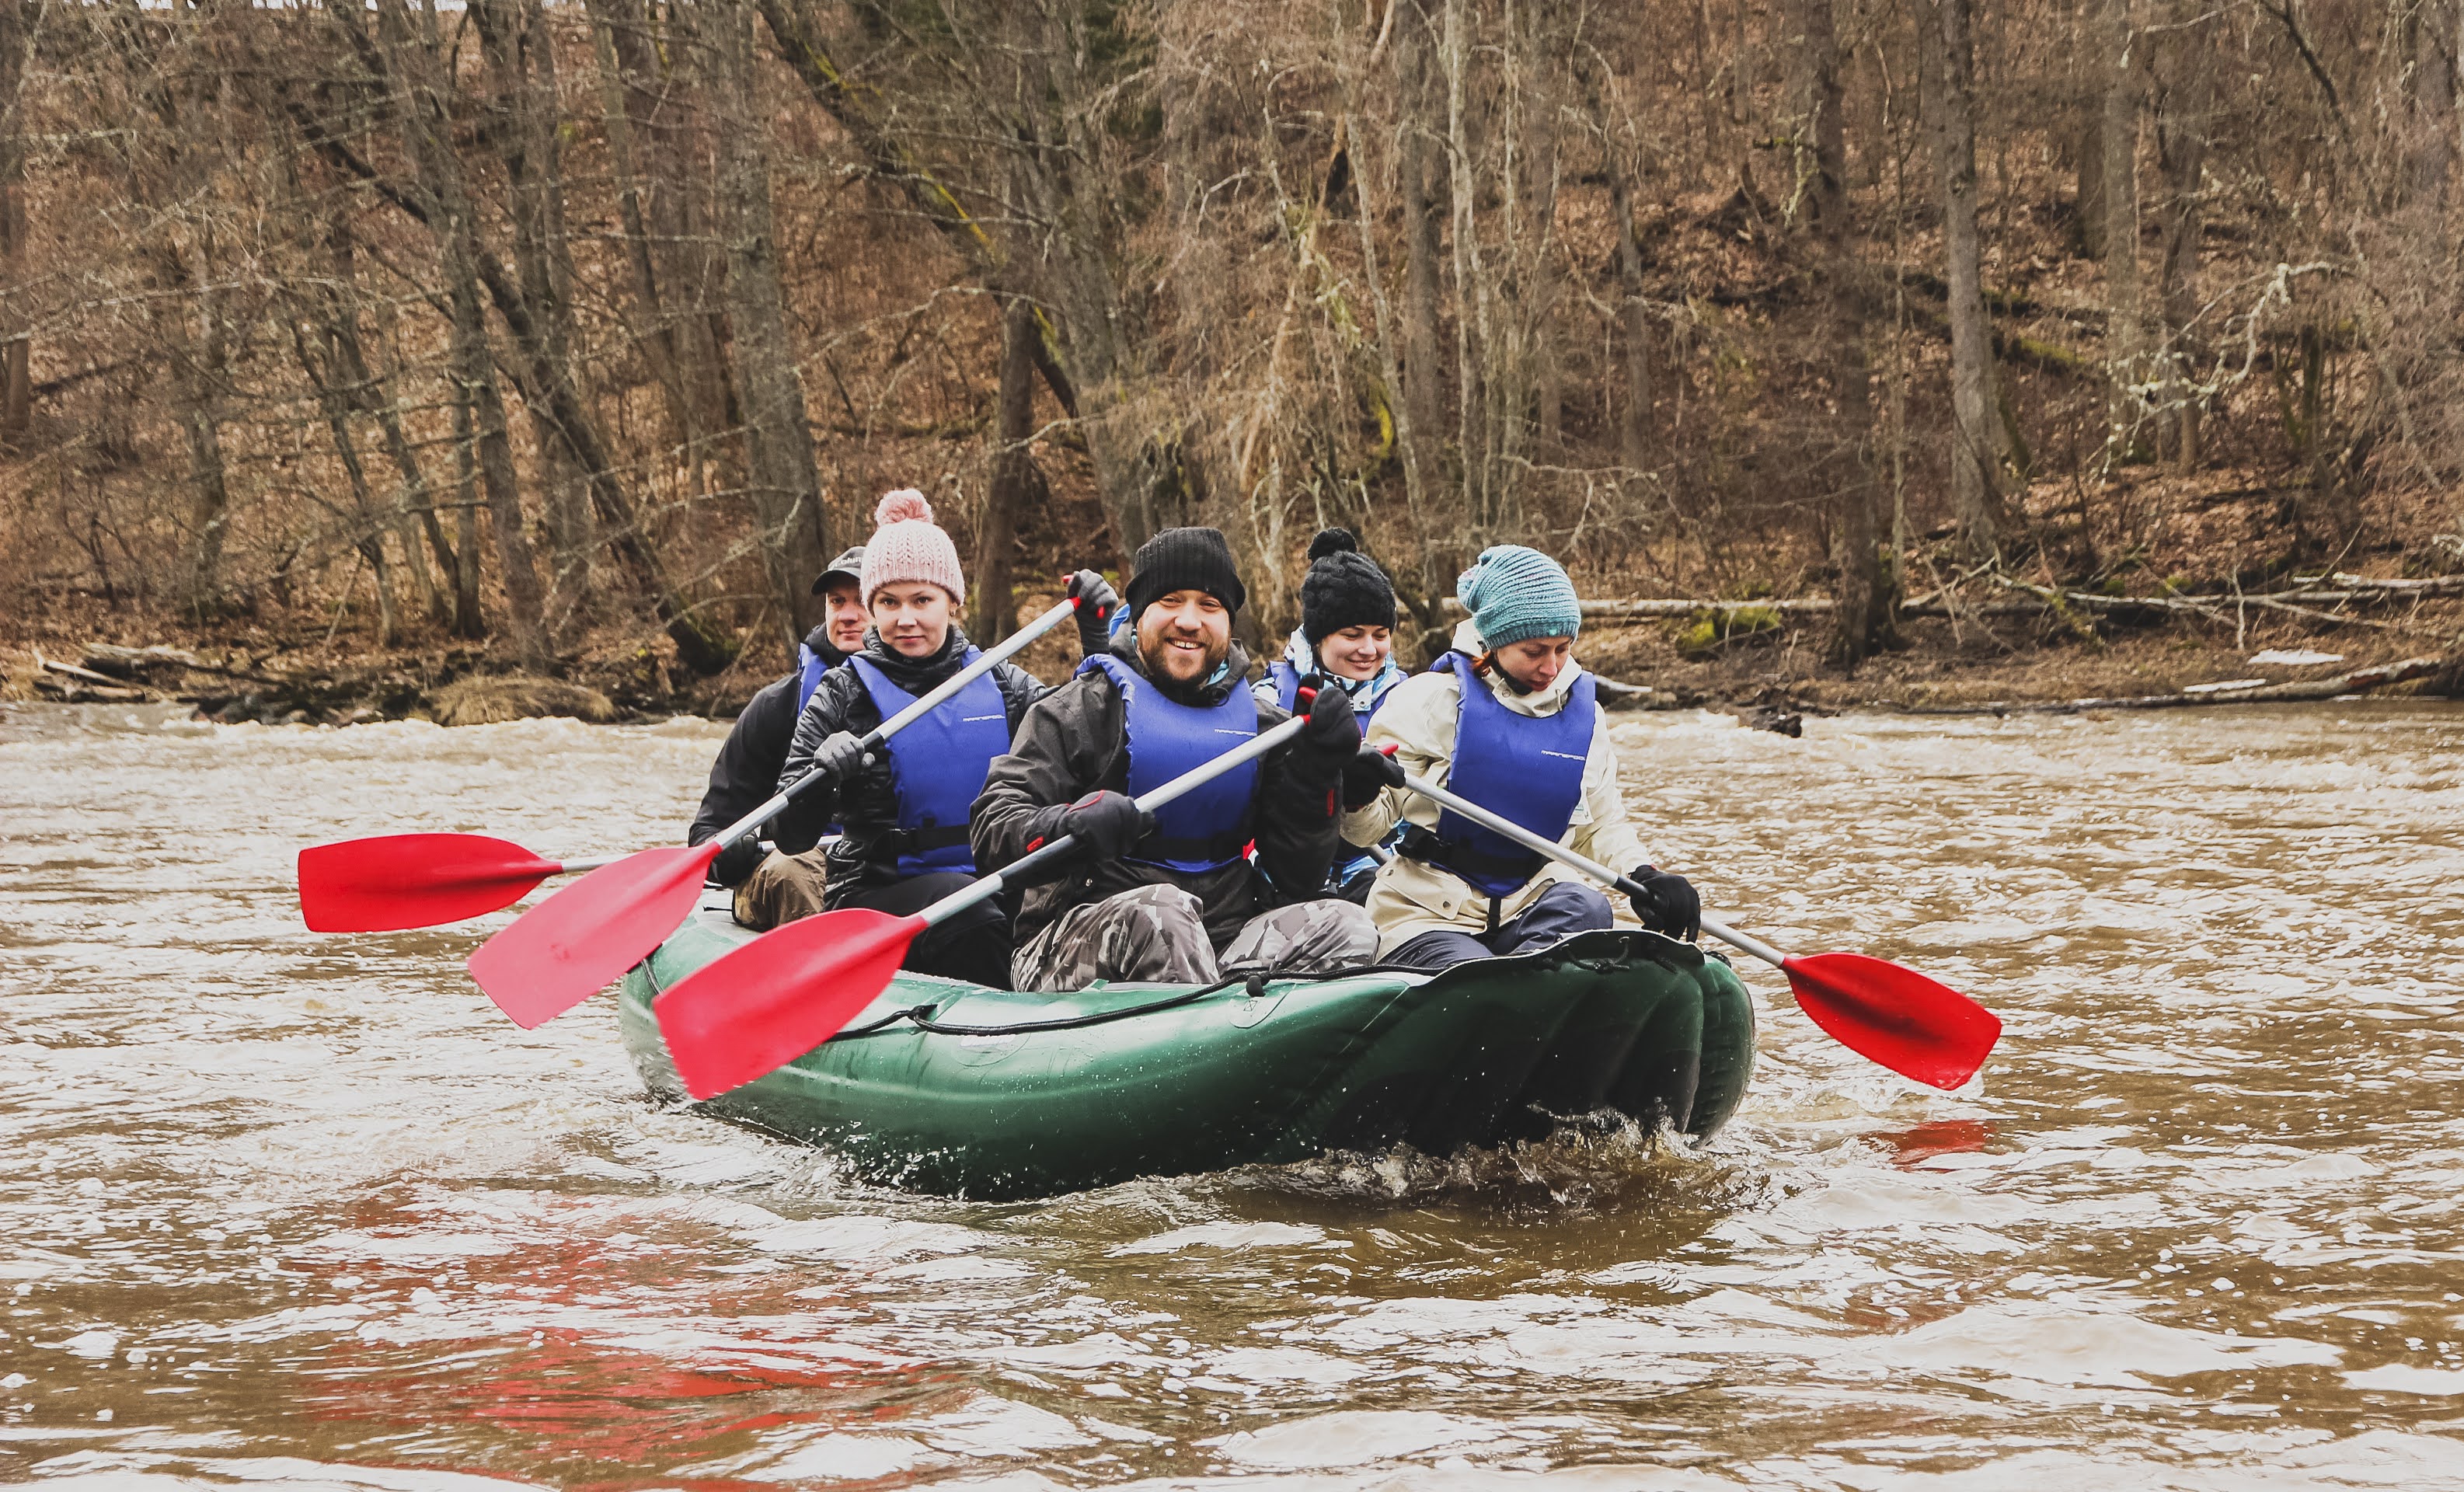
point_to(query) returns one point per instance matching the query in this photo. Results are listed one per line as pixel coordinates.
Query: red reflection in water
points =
(519, 1399)
(1939, 1137)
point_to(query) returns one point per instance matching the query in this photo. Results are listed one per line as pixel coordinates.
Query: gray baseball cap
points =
(848, 565)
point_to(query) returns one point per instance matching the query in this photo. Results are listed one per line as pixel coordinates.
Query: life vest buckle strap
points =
(1463, 859)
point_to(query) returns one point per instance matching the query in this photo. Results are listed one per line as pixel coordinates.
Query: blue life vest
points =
(938, 765)
(1286, 680)
(1528, 769)
(1207, 827)
(809, 668)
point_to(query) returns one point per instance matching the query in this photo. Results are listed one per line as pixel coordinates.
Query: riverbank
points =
(1762, 661)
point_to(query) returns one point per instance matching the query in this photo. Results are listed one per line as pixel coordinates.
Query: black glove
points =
(1097, 601)
(1329, 741)
(839, 756)
(1105, 826)
(1369, 773)
(1666, 902)
(737, 863)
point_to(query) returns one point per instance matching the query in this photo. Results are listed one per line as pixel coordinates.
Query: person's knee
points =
(1320, 936)
(781, 889)
(1169, 900)
(1437, 950)
(1572, 906)
(1348, 929)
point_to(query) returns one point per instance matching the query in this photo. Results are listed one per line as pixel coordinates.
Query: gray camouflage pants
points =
(1155, 934)
(782, 888)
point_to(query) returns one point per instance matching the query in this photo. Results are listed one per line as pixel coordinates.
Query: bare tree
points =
(2118, 138)
(1950, 53)
(782, 481)
(1863, 619)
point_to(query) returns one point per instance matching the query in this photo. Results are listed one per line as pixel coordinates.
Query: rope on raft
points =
(922, 1016)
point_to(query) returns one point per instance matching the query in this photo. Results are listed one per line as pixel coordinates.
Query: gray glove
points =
(839, 756)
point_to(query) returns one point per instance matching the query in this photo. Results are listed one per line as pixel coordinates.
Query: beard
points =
(1161, 659)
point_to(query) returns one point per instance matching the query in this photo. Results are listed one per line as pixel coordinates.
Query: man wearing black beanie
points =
(1175, 896)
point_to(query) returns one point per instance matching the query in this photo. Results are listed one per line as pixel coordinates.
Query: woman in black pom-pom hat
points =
(1346, 639)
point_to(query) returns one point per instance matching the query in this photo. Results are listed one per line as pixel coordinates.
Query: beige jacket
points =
(1412, 897)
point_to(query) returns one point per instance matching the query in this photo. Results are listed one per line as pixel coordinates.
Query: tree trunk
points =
(199, 355)
(1477, 435)
(423, 108)
(467, 622)
(209, 487)
(522, 67)
(2087, 132)
(1975, 499)
(621, 90)
(1423, 372)
(2433, 102)
(1634, 315)
(1862, 621)
(780, 478)
(1540, 159)
(336, 400)
(2125, 338)
(2182, 136)
(1014, 477)
(16, 345)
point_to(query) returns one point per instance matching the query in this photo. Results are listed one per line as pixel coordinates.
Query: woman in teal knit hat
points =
(1509, 720)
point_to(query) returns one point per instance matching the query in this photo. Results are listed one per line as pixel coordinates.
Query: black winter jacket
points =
(748, 761)
(1075, 741)
(866, 806)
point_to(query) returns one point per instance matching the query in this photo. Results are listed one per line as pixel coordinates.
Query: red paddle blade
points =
(779, 996)
(574, 943)
(396, 881)
(1917, 1028)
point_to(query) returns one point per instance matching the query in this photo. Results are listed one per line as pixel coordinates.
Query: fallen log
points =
(127, 663)
(87, 686)
(1682, 608)
(2357, 682)
(72, 670)
(2034, 599)
(132, 661)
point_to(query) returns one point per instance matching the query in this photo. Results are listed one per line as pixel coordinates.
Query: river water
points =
(282, 1211)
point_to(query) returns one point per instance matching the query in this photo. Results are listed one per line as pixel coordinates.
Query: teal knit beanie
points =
(1515, 593)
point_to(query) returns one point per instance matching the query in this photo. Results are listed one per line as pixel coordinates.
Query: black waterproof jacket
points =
(866, 806)
(747, 770)
(1074, 742)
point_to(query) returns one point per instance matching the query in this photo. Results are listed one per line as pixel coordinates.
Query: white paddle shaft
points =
(1497, 823)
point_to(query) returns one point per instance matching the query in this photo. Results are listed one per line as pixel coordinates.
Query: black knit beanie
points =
(1344, 587)
(1184, 558)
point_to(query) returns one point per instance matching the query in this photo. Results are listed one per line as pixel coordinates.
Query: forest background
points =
(1889, 343)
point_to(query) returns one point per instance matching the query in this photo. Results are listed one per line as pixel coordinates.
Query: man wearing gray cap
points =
(771, 886)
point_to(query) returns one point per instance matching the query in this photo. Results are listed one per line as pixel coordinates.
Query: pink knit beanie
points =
(908, 547)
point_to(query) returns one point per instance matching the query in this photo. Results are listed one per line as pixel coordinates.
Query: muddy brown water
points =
(285, 1211)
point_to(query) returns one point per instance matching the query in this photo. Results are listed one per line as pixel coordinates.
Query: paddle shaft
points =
(1000, 652)
(1498, 825)
(1262, 742)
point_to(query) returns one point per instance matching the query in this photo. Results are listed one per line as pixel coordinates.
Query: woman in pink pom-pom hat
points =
(902, 811)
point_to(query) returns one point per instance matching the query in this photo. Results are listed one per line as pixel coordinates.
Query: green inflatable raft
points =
(951, 1088)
